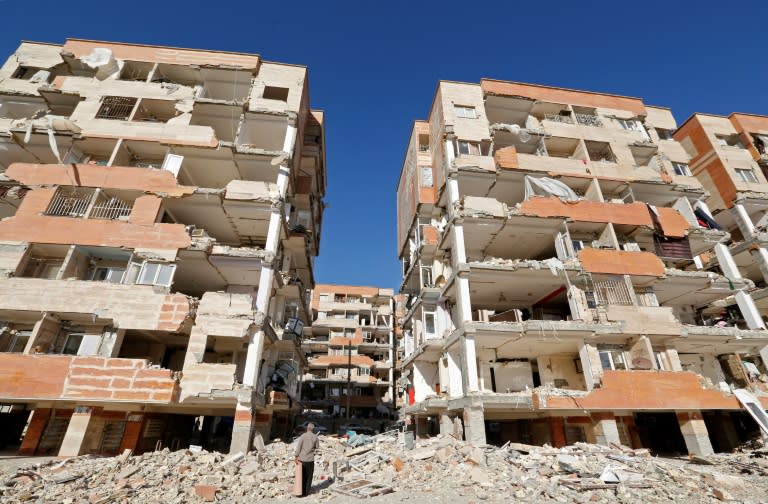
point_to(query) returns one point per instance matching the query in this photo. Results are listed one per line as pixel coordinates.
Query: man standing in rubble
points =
(305, 455)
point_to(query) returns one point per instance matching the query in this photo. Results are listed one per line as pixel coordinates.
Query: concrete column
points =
(35, 429)
(242, 429)
(557, 431)
(590, 364)
(446, 425)
(760, 257)
(749, 311)
(694, 432)
(727, 264)
(470, 381)
(132, 432)
(474, 425)
(253, 359)
(674, 359)
(79, 426)
(743, 220)
(605, 429)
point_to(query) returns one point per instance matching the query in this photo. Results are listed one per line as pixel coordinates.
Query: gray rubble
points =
(440, 468)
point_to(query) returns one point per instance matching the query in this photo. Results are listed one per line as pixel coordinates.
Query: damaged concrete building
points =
(351, 352)
(729, 155)
(161, 212)
(559, 259)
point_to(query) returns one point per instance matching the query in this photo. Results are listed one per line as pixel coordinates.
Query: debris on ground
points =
(440, 468)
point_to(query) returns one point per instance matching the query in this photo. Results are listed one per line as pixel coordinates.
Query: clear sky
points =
(373, 67)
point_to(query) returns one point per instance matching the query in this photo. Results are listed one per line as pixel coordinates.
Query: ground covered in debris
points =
(441, 469)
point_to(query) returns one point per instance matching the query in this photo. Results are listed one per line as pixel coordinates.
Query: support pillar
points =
(749, 310)
(727, 263)
(446, 425)
(474, 425)
(242, 429)
(760, 257)
(81, 425)
(605, 429)
(743, 221)
(35, 429)
(694, 432)
(132, 432)
(557, 431)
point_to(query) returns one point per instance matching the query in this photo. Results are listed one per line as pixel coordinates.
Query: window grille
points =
(70, 202)
(116, 107)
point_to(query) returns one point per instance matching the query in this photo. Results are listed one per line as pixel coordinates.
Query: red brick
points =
(206, 492)
(88, 382)
(163, 395)
(120, 383)
(154, 373)
(121, 363)
(95, 372)
(89, 361)
(89, 393)
(152, 384)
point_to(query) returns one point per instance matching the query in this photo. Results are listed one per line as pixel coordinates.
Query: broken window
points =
(467, 148)
(630, 124)
(465, 112)
(117, 108)
(563, 116)
(681, 169)
(729, 141)
(275, 93)
(423, 143)
(136, 71)
(32, 74)
(664, 134)
(599, 151)
(155, 110)
(746, 175)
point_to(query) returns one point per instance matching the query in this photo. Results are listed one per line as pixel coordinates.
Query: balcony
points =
(88, 203)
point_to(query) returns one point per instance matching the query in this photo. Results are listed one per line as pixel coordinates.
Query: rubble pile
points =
(439, 468)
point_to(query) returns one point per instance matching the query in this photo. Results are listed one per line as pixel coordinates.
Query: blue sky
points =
(374, 66)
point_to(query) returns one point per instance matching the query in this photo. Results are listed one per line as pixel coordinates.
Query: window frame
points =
(741, 172)
(465, 111)
(470, 147)
(683, 167)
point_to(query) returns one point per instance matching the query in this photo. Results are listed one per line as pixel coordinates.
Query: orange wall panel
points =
(567, 96)
(588, 211)
(648, 390)
(620, 262)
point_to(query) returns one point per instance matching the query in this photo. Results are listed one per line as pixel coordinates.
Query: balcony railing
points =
(80, 202)
(612, 292)
(559, 118)
(588, 120)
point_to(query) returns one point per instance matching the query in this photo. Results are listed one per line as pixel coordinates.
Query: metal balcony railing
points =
(70, 202)
(110, 209)
(612, 292)
(588, 120)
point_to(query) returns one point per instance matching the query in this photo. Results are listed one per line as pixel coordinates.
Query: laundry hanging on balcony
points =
(545, 186)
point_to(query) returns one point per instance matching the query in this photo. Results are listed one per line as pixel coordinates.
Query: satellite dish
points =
(524, 136)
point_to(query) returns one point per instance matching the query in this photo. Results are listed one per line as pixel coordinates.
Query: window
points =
(578, 245)
(426, 176)
(32, 74)
(465, 112)
(426, 276)
(275, 93)
(363, 371)
(664, 134)
(108, 274)
(423, 143)
(150, 273)
(116, 107)
(613, 359)
(429, 323)
(72, 344)
(19, 341)
(324, 298)
(469, 148)
(630, 124)
(746, 175)
(599, 151)
(351, 316)
(321, 315)
(729, 141)
(681, 169)
(339, 298)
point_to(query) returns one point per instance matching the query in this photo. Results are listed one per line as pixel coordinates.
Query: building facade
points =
(161, 214)
(350, 350)
(556, 261)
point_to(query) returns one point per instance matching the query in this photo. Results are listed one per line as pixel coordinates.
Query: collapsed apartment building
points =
(161, 212)
(350, 349)
(560, 262)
